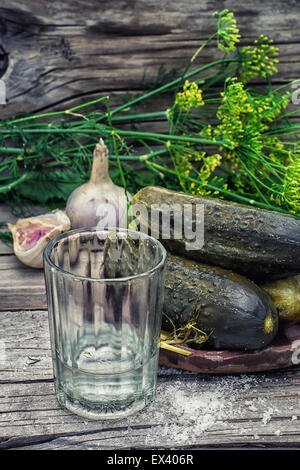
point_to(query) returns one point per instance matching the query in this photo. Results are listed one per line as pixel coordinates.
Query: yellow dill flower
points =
(209, 165)
(183, 166)
(276, 150)
(234, 105)
(274, 104)
(228, 34)
(244, 118)
(212, 162)
(190, 97)
(198, 156)
(260, 59)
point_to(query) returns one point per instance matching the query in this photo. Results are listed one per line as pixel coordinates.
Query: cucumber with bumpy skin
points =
(257, 243)
(232, 311)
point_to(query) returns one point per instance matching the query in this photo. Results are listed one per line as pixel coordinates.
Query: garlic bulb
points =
(32, 234)
(99, 201)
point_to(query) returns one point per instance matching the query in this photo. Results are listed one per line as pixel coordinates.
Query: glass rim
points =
(47, 251)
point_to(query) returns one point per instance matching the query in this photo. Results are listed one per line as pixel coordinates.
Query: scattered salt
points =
(250, 405)
(194, 406)
(189, 405)
(267, 415)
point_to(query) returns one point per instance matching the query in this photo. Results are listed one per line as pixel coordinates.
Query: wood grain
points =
(20, 286)
(57, 54)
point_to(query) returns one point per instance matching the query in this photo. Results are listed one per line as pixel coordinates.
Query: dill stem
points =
(257, 180)
(275, 149)
(54, 113)
(147, 135)
(170, 137)
(11, 150)
(283, 129)
(193, 58)
(14, 183)
(238, 197)
(169, 85)
(132, 117)
(272, 166)
(113, 134)
(286, 115)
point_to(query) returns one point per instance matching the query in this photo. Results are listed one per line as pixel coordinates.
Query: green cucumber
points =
(232, 311)
(260, 244)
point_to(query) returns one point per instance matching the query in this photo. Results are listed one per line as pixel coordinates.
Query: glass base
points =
(114, 395)
(111, 410)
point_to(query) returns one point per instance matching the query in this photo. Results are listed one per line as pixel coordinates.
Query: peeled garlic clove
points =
(32, 234)
(99, 200)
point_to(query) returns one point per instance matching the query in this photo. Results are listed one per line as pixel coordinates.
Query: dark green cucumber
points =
(257, 243)
(233, 311)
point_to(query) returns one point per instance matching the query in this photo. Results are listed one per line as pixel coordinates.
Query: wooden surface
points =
(191, 410)
(55, 54)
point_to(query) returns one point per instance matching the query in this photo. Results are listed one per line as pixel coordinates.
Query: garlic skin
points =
(32, 234)
(99, 199)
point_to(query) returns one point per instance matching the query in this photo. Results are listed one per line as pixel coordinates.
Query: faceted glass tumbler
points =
(105, 295)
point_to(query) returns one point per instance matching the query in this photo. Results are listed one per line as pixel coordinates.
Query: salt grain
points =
(267, 416)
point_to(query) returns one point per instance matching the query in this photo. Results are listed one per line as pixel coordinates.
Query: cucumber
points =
(285, 294)
(231, 310)
(257, 243)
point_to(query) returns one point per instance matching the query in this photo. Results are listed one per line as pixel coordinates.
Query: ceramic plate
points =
(284, 351)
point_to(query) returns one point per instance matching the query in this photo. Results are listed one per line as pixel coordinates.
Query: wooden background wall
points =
(54, 54)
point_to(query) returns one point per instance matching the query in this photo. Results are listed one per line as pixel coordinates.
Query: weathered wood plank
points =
(223, 411)
(189, 410)
(15, 293)
(21, 287)
(25, 337)
(55, 53)
(5, 249)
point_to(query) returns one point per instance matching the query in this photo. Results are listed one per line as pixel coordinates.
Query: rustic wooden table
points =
(54, 55)
(191, 410)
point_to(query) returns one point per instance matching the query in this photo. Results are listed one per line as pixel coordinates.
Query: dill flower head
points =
(291, 186)
(232, 111)
(228, 33)
(205, 174)
(244, 117)
(191, 97)
(259, 59)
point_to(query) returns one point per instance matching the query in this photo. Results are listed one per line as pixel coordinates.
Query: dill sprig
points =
(227, 33)
(259, 59)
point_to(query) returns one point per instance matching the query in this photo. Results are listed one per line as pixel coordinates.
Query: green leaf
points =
(52, 185)
(5, 236)
(145, 178)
